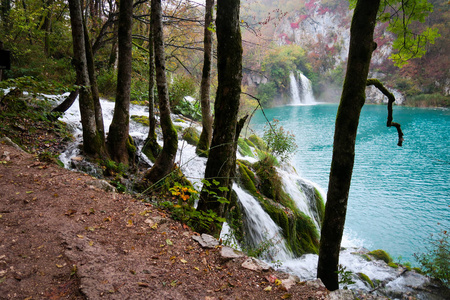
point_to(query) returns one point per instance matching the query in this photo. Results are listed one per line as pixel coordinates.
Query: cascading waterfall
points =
(261, 229)
(301, 92)
(259, 226)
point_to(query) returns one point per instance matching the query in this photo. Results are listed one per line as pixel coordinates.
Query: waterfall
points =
(295, 92)
(261, 228)
(301, 92)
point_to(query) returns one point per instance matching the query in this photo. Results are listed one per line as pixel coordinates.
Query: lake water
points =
(399, 195)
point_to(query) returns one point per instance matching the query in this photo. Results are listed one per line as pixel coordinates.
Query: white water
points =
(261, 228)
(301, 92)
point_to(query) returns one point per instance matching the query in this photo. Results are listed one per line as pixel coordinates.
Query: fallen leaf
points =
(169, 242)
(60, 266)
(107, 219)
(268, 289)
(80, 236)
(91, 243)
(183, 260)
(130, 223)
(29, 192)
(133, 272)
(174, 282)
(70, 212)
(277, 281)
(155, 226)
(271, 278)
(286, 296)
(143, 284)
(17, 193)
(197, 268)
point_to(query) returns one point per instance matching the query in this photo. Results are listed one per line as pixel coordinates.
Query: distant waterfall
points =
(301, 90)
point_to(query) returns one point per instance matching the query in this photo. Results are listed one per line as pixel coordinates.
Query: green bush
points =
(180, 87)
(107, 83)
(436, 260)
(281, 143)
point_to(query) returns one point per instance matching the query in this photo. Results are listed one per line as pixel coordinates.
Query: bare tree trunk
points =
(206, 135)
(220, 162)
(165, 161)
(151, 147)
(118, 137)
(352, 101)
(67, 103)
(92, 141)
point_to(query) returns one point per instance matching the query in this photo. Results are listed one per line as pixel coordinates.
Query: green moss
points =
(366, 278)
(191, 136)
(320, 204)
(393, 265)
(366, 257)
(141, 119)
(258, 142)
(234, 218)
(178, 127)
(244, 149)
(381, 255)
(247, 178)
(131, 148)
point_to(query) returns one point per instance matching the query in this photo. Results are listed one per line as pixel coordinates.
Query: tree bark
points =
(118, 137)
(67, 103)
(92, 142)
(205, 87)
(352, 101)
(151, 147)
(229, 59)
(165, 161)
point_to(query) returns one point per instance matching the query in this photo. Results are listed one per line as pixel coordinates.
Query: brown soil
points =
(63, 238)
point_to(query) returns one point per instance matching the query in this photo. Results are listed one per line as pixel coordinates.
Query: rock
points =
(7, 141)
(103, 185)
(289, 282)
(316, 283)
(206, 240)
(230, 253)
(254, 264)
(341, 295)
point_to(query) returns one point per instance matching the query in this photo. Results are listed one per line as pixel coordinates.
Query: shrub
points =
(436, 260)
(180, 87)
(281, 143)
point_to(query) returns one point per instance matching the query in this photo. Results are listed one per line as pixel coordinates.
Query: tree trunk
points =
(206, 135)
(94, 86)
(229, 59)
(92, 141)
(67, 103)
(47, 26)
(151, 147)
(165, 161)
(352, 101)
(118, 137)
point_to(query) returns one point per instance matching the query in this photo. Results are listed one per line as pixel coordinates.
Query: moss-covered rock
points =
(393, 265)
(366, 279)
(247, 178)
(381, 255)
(141, 119)
(191, 136)
(244, 149)
(258, 142)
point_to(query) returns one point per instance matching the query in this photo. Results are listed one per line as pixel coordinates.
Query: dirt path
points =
(61, 237)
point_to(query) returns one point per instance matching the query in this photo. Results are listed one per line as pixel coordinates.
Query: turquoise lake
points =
(399, 196)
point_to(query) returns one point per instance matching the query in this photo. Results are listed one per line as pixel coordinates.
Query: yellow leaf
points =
(197, 268)
(80, 236)
(154, 226)
(59, 266)
(268, 289)
(183, 261)
(169, 242)
(286, 296)
(278, 282)
(17, 193)
(91, 243)
(29, 192)
(130, 223)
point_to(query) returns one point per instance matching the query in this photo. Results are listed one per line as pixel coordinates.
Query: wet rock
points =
(317, 283)
(289, 282)
(341, 295)
(206, 240)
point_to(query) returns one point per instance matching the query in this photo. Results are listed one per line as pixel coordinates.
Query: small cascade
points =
(261, 228)
(301, 90)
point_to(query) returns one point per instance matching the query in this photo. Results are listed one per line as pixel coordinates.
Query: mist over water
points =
(399, 195)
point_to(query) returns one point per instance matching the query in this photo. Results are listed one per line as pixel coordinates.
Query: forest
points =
(234, 57)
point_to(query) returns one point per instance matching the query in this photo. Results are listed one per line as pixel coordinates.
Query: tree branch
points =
(391, 100)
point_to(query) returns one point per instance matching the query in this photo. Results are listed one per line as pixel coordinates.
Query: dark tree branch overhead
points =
(391, 100)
